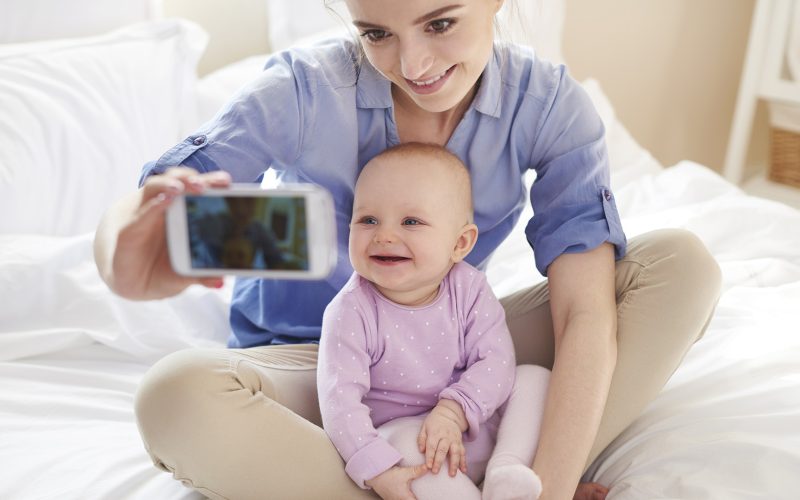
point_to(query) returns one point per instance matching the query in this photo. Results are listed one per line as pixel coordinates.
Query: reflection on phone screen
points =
(247, 232)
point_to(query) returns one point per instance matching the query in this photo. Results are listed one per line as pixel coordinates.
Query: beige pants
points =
(245, 423)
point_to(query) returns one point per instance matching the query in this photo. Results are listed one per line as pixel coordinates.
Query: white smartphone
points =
(245, 230)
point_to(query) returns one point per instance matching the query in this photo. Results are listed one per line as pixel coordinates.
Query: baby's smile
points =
(389, 259)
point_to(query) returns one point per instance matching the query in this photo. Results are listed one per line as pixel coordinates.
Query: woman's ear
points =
(467, 237)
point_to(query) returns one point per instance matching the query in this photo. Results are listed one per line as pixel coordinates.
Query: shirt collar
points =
(373, 90)
(488, 99)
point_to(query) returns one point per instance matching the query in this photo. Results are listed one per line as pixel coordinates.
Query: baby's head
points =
(412, 219)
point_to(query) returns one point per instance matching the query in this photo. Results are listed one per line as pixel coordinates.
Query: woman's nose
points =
(416, 59)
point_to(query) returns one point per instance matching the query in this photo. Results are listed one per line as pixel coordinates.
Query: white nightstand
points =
(762, 78)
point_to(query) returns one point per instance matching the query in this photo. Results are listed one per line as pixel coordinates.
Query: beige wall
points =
(670, 67)
(238, 28)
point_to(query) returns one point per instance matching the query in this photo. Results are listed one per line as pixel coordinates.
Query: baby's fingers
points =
(421, 438)
(455, 459)
(458, 458)
(439, 455)
(430, 445)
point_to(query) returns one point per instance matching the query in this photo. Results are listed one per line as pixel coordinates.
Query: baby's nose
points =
(384, 235)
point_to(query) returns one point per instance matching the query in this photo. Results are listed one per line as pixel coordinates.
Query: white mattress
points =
(725, 427)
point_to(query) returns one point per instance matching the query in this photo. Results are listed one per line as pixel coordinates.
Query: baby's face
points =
(406, 222)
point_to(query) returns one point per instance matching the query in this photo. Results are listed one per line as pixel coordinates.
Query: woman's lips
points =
(430, 85)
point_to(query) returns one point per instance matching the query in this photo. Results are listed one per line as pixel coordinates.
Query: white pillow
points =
(81, 116)
(52, 298)
(29, 20)
(537, 23)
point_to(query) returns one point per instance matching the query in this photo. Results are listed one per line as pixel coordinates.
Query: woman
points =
(613, 326)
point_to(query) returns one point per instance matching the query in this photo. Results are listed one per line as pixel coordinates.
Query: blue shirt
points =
(319, 114)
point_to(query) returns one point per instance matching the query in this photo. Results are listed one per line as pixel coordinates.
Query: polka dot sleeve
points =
(343, 378)
(487, 381)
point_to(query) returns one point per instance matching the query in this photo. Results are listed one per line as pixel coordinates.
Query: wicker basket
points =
(784, 157)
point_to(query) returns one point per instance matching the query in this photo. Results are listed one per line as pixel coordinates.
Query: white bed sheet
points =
(724, 427)
(68, 429)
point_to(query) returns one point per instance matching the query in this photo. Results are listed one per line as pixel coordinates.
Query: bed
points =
(81, 113)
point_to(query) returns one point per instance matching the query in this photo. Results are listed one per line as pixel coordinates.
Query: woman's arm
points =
(583, 307)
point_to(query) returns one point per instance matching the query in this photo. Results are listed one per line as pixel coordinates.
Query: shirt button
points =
(607, 194)
(199, 140)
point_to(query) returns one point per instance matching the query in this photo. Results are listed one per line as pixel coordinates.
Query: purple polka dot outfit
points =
(380, 360)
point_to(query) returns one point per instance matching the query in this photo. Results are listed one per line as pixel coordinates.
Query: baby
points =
(416, 367)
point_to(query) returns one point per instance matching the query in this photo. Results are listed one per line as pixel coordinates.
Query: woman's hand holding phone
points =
(131, 243)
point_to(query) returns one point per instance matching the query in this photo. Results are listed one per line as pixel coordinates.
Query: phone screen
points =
(247, 232)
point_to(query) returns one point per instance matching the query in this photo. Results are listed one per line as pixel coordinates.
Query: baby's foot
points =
(511, 482)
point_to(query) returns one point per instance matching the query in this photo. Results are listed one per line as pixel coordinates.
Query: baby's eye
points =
(375, 36)
(440, 26)
(411, 222)
(368, 220)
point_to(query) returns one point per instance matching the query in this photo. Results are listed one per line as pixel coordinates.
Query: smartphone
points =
(283, 233)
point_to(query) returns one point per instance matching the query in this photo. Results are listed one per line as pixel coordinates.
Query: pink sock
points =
(511, 482)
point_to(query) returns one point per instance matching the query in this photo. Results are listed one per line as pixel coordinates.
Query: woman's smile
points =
(430, 85)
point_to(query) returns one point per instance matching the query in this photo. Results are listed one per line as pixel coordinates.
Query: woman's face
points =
(432, 50)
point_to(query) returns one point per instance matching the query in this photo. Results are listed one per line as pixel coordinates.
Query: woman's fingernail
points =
(165, 197)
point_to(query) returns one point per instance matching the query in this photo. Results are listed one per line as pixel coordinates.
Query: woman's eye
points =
(375, 36)
(441, 25)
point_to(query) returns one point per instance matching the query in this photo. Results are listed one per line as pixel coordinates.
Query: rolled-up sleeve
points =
(263, 125)
(573, 205)
(343, 379)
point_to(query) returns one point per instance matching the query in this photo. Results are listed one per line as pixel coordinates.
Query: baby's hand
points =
(441, 435)
(395, 483)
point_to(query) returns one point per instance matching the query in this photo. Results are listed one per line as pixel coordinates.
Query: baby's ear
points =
(466, 240)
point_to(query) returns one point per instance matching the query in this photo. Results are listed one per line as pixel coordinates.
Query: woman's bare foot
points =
(590, 491)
